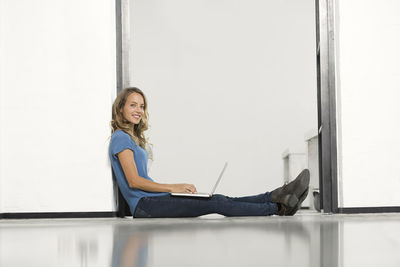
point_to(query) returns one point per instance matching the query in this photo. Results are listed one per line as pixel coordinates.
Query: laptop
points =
(206, 195)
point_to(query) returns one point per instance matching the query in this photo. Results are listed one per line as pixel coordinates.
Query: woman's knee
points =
(219, 197)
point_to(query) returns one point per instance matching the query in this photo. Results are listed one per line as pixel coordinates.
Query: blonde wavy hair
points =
(135, 131)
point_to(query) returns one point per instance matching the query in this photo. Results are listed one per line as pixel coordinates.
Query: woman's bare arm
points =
(126, 158)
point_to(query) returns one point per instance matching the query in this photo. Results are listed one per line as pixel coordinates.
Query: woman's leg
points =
(297, 187)
(260, 198)
(170, 207)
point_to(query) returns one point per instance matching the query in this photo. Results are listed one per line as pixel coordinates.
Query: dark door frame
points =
(327, 138)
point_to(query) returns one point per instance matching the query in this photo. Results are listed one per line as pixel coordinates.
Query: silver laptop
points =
(203, 194)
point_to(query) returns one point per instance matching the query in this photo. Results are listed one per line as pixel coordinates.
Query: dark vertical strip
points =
(332, 106)
(317, 24)
(326, 105)
(118, 25)
(325, 129)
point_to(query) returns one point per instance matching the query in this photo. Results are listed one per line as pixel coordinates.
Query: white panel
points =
(226, 80)
(57, 80)
(2, 67)
(369, 41)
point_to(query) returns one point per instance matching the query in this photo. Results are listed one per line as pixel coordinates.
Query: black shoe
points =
(291, 212)
(296, 187)
(286, 204)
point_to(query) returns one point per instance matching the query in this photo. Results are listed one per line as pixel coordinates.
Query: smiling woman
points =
(134, 108)
(147, 198)
(130, 108)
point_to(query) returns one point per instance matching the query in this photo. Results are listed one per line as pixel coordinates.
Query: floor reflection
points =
(130, 247)
(55, 243)
(223, 242)
(307, 239)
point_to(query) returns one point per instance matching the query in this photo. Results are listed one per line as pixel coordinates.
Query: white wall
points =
(368, 41)
(226, 80)
(1, 95)
(57, 86)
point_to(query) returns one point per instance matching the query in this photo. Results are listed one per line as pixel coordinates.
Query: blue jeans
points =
(171, 207)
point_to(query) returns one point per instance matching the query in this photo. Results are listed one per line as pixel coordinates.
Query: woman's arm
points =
(127, 161)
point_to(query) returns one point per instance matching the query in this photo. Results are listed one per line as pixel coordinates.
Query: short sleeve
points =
(119, 142)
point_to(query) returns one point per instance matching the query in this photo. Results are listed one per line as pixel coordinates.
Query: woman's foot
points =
(286, 204)
(296, 187)
(291, 212)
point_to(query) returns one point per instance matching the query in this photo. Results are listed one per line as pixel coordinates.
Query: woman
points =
(149, 199)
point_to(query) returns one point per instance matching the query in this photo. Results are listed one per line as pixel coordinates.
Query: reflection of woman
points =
(130, 247)
(147, 198)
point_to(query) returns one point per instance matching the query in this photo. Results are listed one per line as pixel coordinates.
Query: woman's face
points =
(133, 109)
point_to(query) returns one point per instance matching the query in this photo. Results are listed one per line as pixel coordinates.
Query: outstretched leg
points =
(172, 207)
(260, 198)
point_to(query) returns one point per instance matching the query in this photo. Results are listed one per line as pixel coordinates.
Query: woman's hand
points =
(183, 188)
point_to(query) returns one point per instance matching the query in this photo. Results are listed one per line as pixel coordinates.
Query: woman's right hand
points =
(183, 188)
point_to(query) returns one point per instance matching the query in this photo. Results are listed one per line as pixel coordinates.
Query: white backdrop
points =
(57, 85)
(226, 80)
(368, 41)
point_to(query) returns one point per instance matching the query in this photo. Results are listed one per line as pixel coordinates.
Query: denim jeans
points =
(171, 207)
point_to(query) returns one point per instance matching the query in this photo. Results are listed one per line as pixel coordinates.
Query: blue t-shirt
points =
(119, 142)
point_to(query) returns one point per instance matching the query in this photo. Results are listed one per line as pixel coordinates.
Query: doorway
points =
(228, 55)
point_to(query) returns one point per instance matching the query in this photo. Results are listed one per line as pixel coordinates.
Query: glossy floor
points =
(307, 239)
